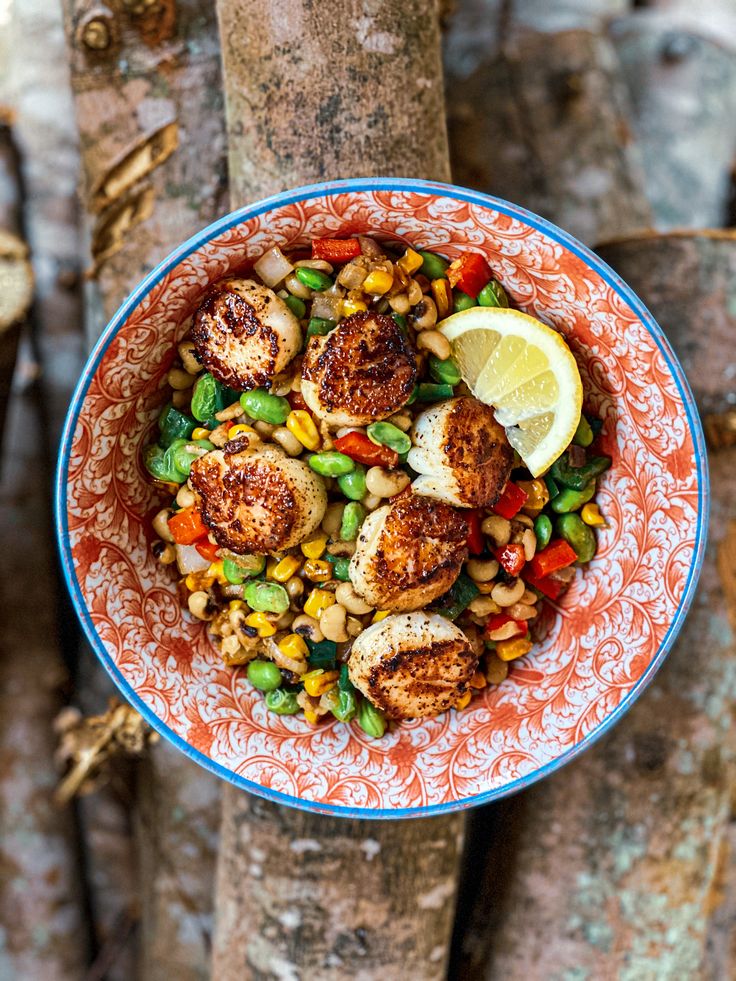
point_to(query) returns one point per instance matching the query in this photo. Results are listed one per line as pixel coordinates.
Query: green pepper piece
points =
(297, 306)
(427, 392)
(341, 567)
(576, 533)
(322, 654)
(313, 279)
(174, 424)
(583, 434)
(552, 486)
(433, 266)
(400, 319)
(578, 478)
(458, 597)
(319, 326)
(461, 301)
(444, 372)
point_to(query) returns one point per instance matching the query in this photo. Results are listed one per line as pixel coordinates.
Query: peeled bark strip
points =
(682, 86)
(616, 869)
(303, 895)
(540, 117)
(320, 90)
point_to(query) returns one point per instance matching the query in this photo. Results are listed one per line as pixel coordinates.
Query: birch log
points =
(302, 895)
(537, 113)
(146, 82)
(617, 857)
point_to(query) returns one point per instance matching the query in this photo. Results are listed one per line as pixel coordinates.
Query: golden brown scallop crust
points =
(365, 366)
(478, 451)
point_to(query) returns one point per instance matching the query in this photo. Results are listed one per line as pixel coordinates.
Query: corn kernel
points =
(198, 580)
(318, 570)
(509, 650)
(234, 431)
(216, 571)
(353, 306)
(478, 680)
(487, 587)
(537, 496)
(315, 547)
(300, 424)
(191, 583)
(294, 646)
(284, 569)
(311, 717)
(235, 605)
(317, 602)
(380, 615)
(319, 681)
(464, 701)
(270, 566)
(378, 282)
(410, 262)
(442, 296)
(200, 433)
(592, 516)
(261, 623)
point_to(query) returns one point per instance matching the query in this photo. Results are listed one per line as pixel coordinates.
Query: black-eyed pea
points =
(482, 570)
(186, 351)
(264, 429)
(230, 646)
(219, 435)
(370, 502)
(161, 525)
(386, 483)
(435, 343)
(353, 603)
(181, 398)
(333, 623)
(295, 588)
(354, 627)
(164, 552)
(399, 303)
(402, 421)
(508, 594)
(341, 550)
(287, 441)
(496, 670)
(185, 497)
(199, 605)
(308, 628)
(498, 529)
(414, 292)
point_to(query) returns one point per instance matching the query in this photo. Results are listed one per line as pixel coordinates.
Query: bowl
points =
(613, 627)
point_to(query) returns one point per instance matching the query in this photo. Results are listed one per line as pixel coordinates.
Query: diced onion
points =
(273, 267)
(189, 560)
(326, 306)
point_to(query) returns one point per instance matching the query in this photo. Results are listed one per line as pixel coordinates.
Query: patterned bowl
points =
(613, 627)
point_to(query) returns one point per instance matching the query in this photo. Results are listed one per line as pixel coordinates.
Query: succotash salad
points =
(380, 471)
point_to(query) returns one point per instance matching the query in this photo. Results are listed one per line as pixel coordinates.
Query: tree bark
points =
(147, 89)
(538, 115)
(302, 895)
(617, 857)
(682, 87)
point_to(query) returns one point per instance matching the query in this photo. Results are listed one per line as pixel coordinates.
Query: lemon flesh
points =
(526, 371)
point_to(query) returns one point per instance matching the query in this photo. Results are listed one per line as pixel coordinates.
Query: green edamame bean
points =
(427, 392)
(313, 279)
(542, 531)
(571, 500)
(346, 706)
(371, 720)
(583, 434)
(320, 327)
(353, 484)
(400, 319)
(248, 567)
(444, 372)
(173, 425)
(266, 597)
(386, 434)
(331, 464)
(297, 306)
(207, 397)
(282, 702)
(232, 572)
(340, 567)
(573, 529)
(352, 518)
(433, 266)
(461, 301)
(262, 405)
(264, 675)
(493, 295)
(183, 456)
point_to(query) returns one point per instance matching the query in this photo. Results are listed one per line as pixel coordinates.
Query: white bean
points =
(333, 623)
(184, 497)
(529, 541)
(198, 604)
(161, 525)
(497, 528)
(482, 570)
(508, 595)
(436, 343)
(386, 483)
(353, 603)
(520, 611)
(179, 379)
(483, 605)
(287, 441)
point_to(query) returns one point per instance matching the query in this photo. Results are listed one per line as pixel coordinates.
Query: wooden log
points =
(617, 856)
(298, 894)
(146, 82)
(540, 117)
(682, 86)
(720, 949)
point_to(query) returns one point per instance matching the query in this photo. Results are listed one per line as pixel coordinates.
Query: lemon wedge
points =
(526, 371)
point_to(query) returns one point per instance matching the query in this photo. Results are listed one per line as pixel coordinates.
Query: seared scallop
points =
(245, 334)
(412, 665)
(461, 453)
(257, 501)
(362, 371)
(409, 553)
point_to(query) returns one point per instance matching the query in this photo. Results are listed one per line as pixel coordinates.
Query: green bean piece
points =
(444, 372)
(433, 266)
(371, 720)
(340, 567)
(461, 301)
(459, 596)
(571, 500)
(552, 486)
(352, 518)
(264, 675)
(173, 425)
(352, 484)
(313, 279)
(319, 327)
(399, 319)
(583, 434)
(262, 405)
(427, 392)
(282, 702)
(160, 465)
(386, 434)
(322, 654)
(331, 464)
(542, 531)
(493, 295)
(266, 597)
(578, 478)
(343, 682)
(573, 529)
(297, 306)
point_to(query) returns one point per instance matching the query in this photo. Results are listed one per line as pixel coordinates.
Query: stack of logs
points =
(618, 124)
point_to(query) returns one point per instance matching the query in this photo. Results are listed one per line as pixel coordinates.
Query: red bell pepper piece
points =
(511, 500)
(207, 549)
(363, 450)
(498, 620)
(475, 534)
(557, 555)
(296, 401)
(511, 558)
(470, 273)
(335, 249)
(186, 526)
(549, 587)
